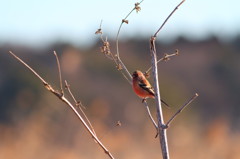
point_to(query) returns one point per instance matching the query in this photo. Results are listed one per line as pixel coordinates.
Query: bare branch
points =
(137, 8)
(161, 126)
(99, 31)
(149, 114)
(78, 104)
(155, 35)
(65, 100)
(151, 118)
(166, 57)
(67, 86)
(181, 109)
(34, 72)
(59, 72)
(87, 127)
(106, 49)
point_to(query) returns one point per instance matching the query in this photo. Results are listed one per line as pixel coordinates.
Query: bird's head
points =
(137, 74)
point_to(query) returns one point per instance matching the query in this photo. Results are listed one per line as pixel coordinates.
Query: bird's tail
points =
(165, 103)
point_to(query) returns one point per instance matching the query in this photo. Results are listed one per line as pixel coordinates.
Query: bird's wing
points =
(151, 91)
(146, 87)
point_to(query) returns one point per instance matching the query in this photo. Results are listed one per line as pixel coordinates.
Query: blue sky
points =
(35, 22)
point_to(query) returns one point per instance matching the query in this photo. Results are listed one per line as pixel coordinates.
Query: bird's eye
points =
(134, 74)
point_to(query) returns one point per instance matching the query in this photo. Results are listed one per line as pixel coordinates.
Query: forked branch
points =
(59, 72)
(116, 57)
(161, 126)
(79, 106)
(166, 57)
(66, 101)
(137, 8)
(181, 109)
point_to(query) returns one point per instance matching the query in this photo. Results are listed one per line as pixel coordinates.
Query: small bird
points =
(142, 87)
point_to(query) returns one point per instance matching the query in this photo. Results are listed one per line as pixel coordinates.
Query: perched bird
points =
(142, 87)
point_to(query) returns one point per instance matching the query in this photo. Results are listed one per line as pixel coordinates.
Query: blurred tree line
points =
(210, 67)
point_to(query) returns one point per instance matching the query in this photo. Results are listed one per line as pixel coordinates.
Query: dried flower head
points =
(67, 86)
(137, 7)
(119, 123)
(105, 48)
(176, 52)
(125, 21)
(147, 74)
(79, 104)
(166, 57)
(99, 31)
(119, 66)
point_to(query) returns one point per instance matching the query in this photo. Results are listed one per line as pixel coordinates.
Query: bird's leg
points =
(144, 100)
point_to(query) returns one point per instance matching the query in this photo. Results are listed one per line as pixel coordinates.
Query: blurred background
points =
(35, 124)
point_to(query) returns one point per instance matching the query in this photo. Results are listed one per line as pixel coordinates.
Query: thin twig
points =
(101, 24)
(78, 104)
(155, 35)
(117, 41)
(59, 72)
(181, 109)
(87, 127)
(67, 86)
(151, 118)
(99, 31)
(107, 52)
(34, 72)
(116, 57)
(65, 100)
(166, 57)
(150, 115)
(119, 29)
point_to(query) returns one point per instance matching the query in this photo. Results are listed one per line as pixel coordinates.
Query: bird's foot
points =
(144, 100)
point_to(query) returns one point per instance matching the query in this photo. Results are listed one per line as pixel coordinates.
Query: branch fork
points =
(60, 95)
(160, 126)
